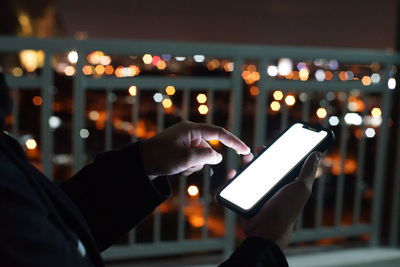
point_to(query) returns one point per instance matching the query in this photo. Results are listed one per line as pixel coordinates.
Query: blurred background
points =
(88, 76)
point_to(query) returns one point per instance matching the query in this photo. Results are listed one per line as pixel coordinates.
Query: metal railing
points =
(324, 215)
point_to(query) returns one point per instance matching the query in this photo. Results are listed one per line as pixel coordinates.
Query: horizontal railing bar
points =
(190, 83)
(199, 83)
(321, 86)
(330, 232)
(162, 249)
(10, 44)
(157, 82)
(24, 82)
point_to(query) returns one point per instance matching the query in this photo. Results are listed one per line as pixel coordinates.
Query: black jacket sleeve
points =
(256, 252)
(114, 193)
(29, 235)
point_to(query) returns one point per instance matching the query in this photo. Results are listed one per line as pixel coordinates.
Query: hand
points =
(276, 219)
(183, 148)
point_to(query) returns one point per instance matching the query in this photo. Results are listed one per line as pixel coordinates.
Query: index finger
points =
(211, 132)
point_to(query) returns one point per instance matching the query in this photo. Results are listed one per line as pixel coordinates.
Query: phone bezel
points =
(289, 177)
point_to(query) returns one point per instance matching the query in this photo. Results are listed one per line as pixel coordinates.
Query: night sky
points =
(337, 23)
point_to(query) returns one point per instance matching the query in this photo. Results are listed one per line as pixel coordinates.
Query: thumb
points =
(307, 173)
(204, 155)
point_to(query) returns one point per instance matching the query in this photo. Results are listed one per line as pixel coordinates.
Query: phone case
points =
(291, 176)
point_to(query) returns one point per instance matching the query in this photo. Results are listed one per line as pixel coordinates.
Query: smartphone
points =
(279, 164)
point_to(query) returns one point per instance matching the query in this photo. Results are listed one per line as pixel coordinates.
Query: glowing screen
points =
(271, 166)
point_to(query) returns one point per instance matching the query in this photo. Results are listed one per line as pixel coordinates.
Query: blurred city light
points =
(203, 109)
(349, 75)
(31, 144)
(94, 115)
(355, 104)
(301, 66)
(229, 66)
(214, 143)
(366, 80)
(99, 69)
(320, 75)
(290, 100)
(37, 100)
(69, 70)
(370, 132)
(193, 191)
(17, 72)
(84, 133)
(199, 58)
(132, 90)
(285, 66)
(213, 64)
(275, 106)
(54, 122)
(375, 78)
(109, 70)
(87, 70)
(95, 57)
(147, 59)
(166, 57)
(170, 90)
(31, 59)
(254, 90)
(155, 60)
(321, 113)
(161, 65)
(373, 121)
(376, 112)
(272, 70)
(73, 57)
(278, 95)
(158, 97)
(304, 74)
(167, 103)
(333, 120)
(201, 98)
(392, 83)
(353, 119)
(105, 60)
(180, 58)
(333, 64)
(328, 75)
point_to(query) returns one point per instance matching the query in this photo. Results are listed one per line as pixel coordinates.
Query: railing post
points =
(379, 175)
(79, 93)
(46, 134)
(260, 131)
(235, 113)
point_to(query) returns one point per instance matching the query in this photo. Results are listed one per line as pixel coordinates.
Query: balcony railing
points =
(246, 90)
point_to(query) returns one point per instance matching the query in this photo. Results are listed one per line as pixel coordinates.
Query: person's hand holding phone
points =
(276, 219)
(183, 149)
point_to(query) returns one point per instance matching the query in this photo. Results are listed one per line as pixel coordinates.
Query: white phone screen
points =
(271, 166)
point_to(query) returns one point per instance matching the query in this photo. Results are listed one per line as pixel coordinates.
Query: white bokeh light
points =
(199, 58)
(370, 132)
(285, 66)
(320, 75)
(272, 71)
(353, 119)
(84, 133)
(158, 97)
(73, 57)
(333, 120)
(392, 83)
(54, 122)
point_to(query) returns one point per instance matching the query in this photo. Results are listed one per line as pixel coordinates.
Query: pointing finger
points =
(212, 132)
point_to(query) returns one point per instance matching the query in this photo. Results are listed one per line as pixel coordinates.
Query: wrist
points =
(146, 160)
